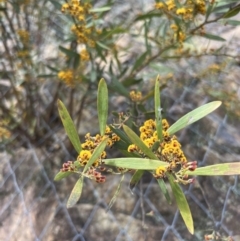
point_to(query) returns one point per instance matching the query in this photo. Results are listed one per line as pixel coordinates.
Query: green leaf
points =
(102, 105)
(139, 61)
(148, 15)
(182, 204)
(61, 175)
(155, 146)
(131, 81)
(158, 114)
(118, 87)
(163, 187)
(97, 10)
(57, 5)
(74, 57)
(231, 22)
(52, 68)
(70, 53)
(103, 46)
(136, 178)
(232, 168)
(108, 33)
(96, 154)
(138, 142)
(193, 116)
(210, 8)
(76, 193)
(212, 37)
(77, 164)
(121, 134)
(115, 194)
(46, 76)
(232, 12)
(135, 163)
(100, 53)
(121, 145)
(69, 126)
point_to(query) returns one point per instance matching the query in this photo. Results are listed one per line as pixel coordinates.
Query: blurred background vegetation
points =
(54, 50)
(61, 49)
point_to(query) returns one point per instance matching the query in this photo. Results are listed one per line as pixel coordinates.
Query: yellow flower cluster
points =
(159, 5)
(4, 133)
(67, 76)
(200, 7)
(88, 147)
(160, 172)
(77, 9)
(168, 5)
(84, 55)
(135, 96)
(168, 150)
(191, 9)
(23, 54)
(178, 33)
(91, 142)
(24, 36)
(84, 34)
(188, 10)
(214, 68)
(25, 2)
(80, 11)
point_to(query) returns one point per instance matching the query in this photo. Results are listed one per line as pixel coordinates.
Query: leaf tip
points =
(219, 103)
(191, 230)
(59, 104)
(102, 80)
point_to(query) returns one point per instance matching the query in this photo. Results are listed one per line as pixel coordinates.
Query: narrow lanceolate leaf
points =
(102, 105)
(136, 178)
(158, 114)
(163, 187)
(120, 133)
(56, 4)
(135, 163)
(138, 142)
(194, 116)
(140, 61)
(46, 75)
(70, 53)
(102, 9)
(231, 22)
(182, 204)
(147, 16)
(61, 175)
(115, 194)
(212, 37)
(121, 145)
(96, 154)
(69, 126)
(117, 86)
(76, 193)
(232, 12)
(232, 168)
